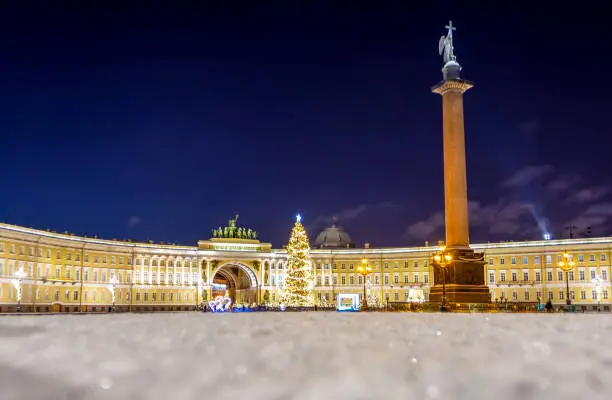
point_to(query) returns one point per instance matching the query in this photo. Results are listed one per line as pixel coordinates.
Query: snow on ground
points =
(306, 356)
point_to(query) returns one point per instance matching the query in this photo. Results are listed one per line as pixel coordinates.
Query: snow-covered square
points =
(309, 355)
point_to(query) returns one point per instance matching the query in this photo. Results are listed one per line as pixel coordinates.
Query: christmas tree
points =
(298, 282)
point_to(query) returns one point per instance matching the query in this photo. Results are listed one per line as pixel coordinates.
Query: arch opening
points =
(236, 280)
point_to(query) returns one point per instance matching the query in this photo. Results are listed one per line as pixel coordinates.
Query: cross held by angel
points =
(445, 46)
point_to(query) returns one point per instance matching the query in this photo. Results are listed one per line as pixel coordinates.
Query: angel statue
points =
(215, 233)
(249, 233)
(254, 235)
(445, 46)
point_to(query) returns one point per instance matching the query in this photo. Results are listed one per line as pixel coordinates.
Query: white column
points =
(262, 273)
(191, 272)
(208, 272)
(159, 271)
(150, 270)
(142, 267)
(199, 271)
(174, 271)
(276, 273)
(270, 273)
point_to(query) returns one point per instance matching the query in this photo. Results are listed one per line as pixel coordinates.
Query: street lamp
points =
(443, 259)
(20, 274)
(364, 270)
(598, 281)
(566, 264)
(113, 284)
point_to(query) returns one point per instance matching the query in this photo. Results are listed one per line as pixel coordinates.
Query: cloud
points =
(564, 182)
(346, 215)
(426, 228)
(599, 209)
(588, 195)
(527, 175)
(133, 221)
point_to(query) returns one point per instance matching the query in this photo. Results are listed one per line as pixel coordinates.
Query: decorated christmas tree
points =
(298, 282)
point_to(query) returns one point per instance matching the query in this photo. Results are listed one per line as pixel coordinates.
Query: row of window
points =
(549, 258)
(352, 279)
(595, 295)
(93, 296)
(396, 264)
(46, 253)
(549, 276)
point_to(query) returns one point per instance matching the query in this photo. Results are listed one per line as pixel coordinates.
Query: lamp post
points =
(113, 285)
(598, 281)
(566, 264)
(364, 270)
(443, 259)
(20, 274)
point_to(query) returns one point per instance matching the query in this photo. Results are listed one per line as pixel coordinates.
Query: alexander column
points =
(464, 279)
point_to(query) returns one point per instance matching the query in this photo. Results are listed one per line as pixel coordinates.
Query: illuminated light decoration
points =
(348, 302)
(298, 281)
(298, 218)
(547, 236)
(221, 303)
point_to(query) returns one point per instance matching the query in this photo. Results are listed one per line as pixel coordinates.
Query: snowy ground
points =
(306, 356)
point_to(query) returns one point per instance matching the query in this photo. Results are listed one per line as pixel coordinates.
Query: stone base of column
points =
(465, 279)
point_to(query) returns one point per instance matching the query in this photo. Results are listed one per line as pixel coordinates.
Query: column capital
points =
(452, 85)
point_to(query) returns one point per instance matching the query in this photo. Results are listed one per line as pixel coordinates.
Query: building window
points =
(581, 275)
(592, 274)
(559, 275)
(386, 279)
(490, 261)
(351, 266)
(376, 279)
(491, 277)
(525, 276)
(416, 278)
(580, 257)
(335, 280)
(605, 294)
(146, 296)
(549, 275)
(68, 256)
(514, 296)
(86, 257)
(536, 259)
(396, 296)
(359, 280)
(502, 261)
(526, 295)
(591, 257)
(548, 259)
(603, 257)
(343, 279)
(561, 295)
(426, 277)
(513, 260)
(550, 295)
(395, 264)
(352, 280)
(76, 295)
(525, 260)
(538, 276)
(57, 272)
(604, 274)
(502, 276)
(386, 265)
(396, 279)
(415, 264)
(594, 294)
(58, 255)
(112, 259)
(513, 276)
(571, 275)
(406, 279)
(572, 295)
(405, 264)
(583, 295)
(31, 251)
(56, 296)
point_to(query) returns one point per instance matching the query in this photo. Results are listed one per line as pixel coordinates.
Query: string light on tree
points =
(297, 290)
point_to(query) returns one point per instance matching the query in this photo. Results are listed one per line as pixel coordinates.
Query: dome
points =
(333, 237)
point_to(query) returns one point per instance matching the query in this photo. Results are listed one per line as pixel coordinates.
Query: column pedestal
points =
(465, 279)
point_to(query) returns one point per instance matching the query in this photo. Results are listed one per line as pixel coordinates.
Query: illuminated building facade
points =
(45, 271)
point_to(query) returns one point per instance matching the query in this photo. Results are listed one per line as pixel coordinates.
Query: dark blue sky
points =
(161, 123)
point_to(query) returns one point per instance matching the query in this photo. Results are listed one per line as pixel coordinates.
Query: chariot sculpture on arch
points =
(233, 231)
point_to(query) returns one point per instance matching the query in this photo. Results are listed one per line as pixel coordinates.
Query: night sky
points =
(153, 123)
